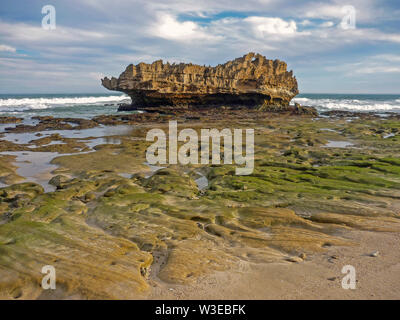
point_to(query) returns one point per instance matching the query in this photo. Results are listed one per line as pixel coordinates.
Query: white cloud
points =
(263, 25)
(6, 48)
(323, 11)
(306, 23)
(327, 24)
(367, 11)
(27, 33)
(368, 34)
(377, 64)
(388, 57)
(391, 37)
(96, 75)
(208, 7)
(169, 27)
(378, 69)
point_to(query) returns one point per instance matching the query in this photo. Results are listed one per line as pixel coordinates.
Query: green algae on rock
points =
(110, 236)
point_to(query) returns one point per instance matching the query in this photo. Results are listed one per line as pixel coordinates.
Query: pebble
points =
(332, 259)
(294, 259)
(303, 256)
(374, 254)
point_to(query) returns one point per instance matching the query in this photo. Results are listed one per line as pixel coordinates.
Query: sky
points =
(332, 46)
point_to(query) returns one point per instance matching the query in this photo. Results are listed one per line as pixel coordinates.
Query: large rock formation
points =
(251, 81)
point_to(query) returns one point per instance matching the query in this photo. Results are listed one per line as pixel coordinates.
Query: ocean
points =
(61, 105)
(90, 105)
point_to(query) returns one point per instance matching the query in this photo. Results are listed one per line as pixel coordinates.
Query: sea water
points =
(61, 105)
(90, 105)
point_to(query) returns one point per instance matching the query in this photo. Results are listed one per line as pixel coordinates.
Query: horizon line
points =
(116, 93)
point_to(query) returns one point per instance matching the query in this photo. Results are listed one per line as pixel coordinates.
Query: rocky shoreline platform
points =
(115, 227)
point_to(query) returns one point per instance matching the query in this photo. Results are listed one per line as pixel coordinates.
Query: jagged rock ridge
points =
(251, 80)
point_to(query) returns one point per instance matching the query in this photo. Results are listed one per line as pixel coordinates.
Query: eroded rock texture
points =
(115, 228)
(251, 81)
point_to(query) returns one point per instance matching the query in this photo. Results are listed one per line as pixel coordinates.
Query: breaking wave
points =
(23, 104)
(360, 104)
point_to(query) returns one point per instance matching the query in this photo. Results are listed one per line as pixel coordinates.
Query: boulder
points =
(250, 81)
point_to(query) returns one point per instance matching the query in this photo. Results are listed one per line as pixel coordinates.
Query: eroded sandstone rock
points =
(251, 80)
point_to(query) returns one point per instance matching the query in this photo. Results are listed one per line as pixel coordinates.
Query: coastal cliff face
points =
(251, 80)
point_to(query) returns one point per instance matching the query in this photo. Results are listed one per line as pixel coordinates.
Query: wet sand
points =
(319, 277)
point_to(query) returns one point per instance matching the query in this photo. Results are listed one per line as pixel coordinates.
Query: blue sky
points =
(96, 38)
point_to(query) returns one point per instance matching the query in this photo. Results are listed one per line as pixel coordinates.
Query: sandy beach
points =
(317, 278)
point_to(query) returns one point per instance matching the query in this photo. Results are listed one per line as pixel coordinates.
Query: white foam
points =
(22, 104)
(301, 100)
(350, 104)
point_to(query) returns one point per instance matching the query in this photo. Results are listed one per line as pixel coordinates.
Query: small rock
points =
(58, 181)
(10, 241)
(294, 259)
(303, 256)
(374, 254)
(90, 196)
(332, 278)
(109, 193)
(200, 225)
(16, 293)
(332, 258)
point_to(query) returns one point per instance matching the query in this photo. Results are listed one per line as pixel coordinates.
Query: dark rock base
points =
(168, 103)
(156, 100)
